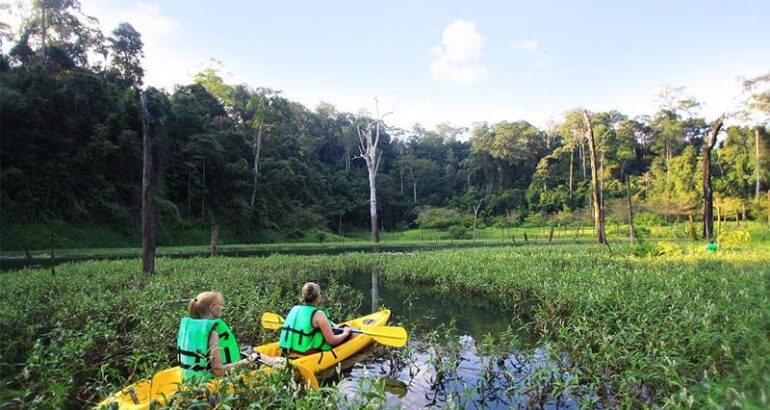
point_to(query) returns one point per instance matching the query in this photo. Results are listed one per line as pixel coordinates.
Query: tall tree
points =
(368, 141)
(597, 203)
(126, 47)
(148, 193)
(708, 195)
(757, 110)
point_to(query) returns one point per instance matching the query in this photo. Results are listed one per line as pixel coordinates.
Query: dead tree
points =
(631, 235)
(476, 216)
(758, 186)
(368, 141)
(148, 193)
(708, 195)
(257, 151)
(601, 236)
(214, 238)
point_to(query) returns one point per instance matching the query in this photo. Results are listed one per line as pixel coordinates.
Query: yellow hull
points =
(166, 382)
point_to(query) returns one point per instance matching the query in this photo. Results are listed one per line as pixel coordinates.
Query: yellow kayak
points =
(310, 364)
(165, 383)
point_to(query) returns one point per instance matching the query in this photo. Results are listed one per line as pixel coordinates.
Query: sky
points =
(458, 61)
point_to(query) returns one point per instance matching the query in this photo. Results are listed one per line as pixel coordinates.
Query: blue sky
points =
(458, 61)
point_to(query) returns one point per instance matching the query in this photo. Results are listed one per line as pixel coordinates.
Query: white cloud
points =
(525, 44)
(148, 19)
(459, 55)
(532, 47)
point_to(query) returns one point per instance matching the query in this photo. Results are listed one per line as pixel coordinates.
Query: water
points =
(450, 360)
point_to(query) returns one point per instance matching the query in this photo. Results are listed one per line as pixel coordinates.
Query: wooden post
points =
(550, 235)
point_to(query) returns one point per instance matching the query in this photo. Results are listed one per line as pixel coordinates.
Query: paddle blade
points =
(271, 321)
(387, 335)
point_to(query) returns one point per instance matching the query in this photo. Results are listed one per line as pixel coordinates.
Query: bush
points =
(458, 232)
(441, 218)
(646, 218)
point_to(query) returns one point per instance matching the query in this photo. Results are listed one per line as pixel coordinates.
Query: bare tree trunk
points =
(214, 239)
(668, 165)
(601, 181)
(368, 142)
(708, 195)
(756, 162)
(414, 184)
(44, 30)
(571, 172)
(373, 207)
(189, 192)
(476, 217)
(598, 212)
(631, 235)
(583, 158)
(203, 191)
(148, 194)
(257, 151)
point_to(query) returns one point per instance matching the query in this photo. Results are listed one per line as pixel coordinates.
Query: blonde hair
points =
(310, 292)
(200, 306)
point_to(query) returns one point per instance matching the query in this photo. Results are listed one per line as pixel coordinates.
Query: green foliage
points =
(442, 218)
(659, 324)
(458, 232)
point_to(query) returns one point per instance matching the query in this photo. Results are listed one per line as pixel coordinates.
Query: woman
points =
(307, 328)
(206, 346)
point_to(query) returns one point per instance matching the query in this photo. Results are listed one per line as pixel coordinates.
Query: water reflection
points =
(375, 290)
(461, 353)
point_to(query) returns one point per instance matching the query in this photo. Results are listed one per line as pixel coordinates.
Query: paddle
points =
(386, 335)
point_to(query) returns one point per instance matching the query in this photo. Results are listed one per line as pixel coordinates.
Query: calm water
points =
(447, 362)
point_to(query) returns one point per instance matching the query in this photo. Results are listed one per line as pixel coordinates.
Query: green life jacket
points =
(298, 333)
(192, 345)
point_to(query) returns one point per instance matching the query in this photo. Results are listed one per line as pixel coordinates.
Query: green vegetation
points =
(685, 327)
(266, 169)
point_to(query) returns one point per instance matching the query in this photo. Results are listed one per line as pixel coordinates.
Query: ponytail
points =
(200, 305)
(310, 292)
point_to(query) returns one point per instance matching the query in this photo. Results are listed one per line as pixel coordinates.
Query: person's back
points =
(298, 333)
(205, 344)
(307, 327)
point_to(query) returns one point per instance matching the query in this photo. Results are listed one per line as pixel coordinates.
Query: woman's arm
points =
(217, 367)
(321, 322)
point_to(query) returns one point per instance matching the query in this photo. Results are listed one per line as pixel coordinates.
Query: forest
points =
(265, 168)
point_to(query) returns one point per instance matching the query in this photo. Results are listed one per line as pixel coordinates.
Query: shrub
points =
(441, 218)
(458, 232)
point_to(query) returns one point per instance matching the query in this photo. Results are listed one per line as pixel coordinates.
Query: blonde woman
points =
(307, 328)
(206, 347)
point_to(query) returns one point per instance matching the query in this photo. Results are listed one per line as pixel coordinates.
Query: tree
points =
(708, 195)
(148, 193)
(757, 109)
(597, 204)
(126, 46)
(368, 141)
